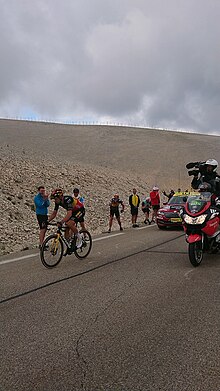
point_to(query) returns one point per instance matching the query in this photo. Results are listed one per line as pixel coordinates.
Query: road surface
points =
(135, 315)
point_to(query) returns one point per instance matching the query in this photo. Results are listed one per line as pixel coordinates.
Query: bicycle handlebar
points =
(55, 225)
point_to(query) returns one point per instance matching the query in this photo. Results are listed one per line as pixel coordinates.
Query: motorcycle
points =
(201, 221)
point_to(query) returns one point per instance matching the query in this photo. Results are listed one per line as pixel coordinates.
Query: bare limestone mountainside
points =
(100, 160)
(22, 172)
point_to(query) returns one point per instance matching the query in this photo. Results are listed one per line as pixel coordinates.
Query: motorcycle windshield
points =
(196, 203)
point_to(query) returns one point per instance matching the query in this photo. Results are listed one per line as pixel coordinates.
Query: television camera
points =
(199, 167)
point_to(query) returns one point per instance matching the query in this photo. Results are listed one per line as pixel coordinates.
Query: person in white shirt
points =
(77, 196)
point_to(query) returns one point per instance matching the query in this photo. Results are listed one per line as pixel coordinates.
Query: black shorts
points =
(80, 218)
(114, 212)
(134, 210)
(42, 221)
(146, 210)
(156, 207)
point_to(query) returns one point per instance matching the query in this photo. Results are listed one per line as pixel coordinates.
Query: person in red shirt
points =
(155, 202)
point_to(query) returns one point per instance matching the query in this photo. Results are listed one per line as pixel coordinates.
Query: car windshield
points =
(197, 202)
(177, 200)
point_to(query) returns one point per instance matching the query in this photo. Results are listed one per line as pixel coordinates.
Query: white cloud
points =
(151, 62)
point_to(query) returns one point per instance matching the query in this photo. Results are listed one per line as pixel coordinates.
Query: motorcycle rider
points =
(207, 173)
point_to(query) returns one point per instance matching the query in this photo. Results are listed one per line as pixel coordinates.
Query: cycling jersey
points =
(115, 202)
(66, 203)
(77, 204)
(69, 203)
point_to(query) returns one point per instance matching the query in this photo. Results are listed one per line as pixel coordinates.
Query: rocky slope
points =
(22, 172)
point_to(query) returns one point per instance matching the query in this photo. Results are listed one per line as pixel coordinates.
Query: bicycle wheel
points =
(52, 251)
(85, 249)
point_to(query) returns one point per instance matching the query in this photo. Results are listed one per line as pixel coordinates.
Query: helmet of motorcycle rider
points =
(56, 193)
(205, 187)
(213, 163)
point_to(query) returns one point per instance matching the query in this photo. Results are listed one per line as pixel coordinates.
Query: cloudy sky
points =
(141, 62)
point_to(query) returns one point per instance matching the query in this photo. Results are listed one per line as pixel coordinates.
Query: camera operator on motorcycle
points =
(206, 173)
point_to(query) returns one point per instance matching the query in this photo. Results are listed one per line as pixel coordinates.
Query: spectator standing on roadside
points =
(81, 201)
(155, 202)
(42, 203)
(170, 195)
(134, 202)
(145, 206)
(76, 195)
(114, 211)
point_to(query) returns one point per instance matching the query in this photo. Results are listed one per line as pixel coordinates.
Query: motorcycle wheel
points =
(195, 253)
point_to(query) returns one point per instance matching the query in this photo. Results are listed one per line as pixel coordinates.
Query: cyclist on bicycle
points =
(67, 203)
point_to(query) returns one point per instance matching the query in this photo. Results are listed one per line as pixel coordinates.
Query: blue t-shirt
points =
(41, 204)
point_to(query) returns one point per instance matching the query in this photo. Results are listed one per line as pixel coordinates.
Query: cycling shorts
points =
(114, 212)
(78, 215)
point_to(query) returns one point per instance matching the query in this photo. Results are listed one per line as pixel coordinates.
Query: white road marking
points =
(186, 275)
(147, 226)
(37, 254)
(109, 236)
(18, 259)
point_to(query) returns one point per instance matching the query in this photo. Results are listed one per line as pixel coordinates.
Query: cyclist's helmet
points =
(75, 190)
(212, 162)
(56, 193)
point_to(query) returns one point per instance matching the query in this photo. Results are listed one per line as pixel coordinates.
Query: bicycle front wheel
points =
(85, 249)
(51, 251)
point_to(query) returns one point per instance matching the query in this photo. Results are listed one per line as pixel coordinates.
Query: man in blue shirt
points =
(42, 203)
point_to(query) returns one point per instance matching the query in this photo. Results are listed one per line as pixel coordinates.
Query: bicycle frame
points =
(59, 236)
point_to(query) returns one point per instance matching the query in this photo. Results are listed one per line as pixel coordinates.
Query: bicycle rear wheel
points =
(85, 249)
(51, 251)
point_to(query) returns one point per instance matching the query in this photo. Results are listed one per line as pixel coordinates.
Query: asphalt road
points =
(135, 315)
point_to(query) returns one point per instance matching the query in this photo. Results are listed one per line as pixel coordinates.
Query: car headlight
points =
(194, 220)
(160, 214)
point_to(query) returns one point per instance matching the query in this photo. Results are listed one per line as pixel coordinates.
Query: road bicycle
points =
(55, 246)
